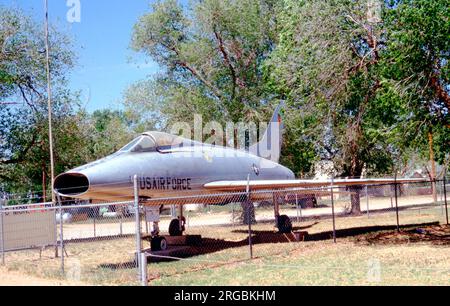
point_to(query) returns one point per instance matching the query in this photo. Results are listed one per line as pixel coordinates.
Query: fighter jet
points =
(169, 166)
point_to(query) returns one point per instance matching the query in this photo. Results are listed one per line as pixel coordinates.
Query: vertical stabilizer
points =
(269, 146)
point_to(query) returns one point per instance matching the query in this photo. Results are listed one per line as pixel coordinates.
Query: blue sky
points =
(106, 65)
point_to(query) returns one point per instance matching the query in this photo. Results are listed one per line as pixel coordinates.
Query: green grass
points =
(326, 263)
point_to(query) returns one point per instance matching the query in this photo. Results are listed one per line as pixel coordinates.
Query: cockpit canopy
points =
(156, 141)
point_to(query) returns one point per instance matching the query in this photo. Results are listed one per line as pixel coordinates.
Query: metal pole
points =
(187, 219)
(441, 193)
(95, 218)
(396, 202)
(3, 233)
(138, 225)
(296, 203)
(121, 220)
(367, 201)
(250, 219)
(56, 232)
(445, 199)
(49, 101)
(332, 210)
(61, 233)
(144, 277)
(232, 214)
(250, 231)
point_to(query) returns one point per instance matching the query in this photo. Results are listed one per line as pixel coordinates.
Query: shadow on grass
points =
(210, 245)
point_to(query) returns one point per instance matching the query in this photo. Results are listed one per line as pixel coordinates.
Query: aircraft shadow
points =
(210, 245)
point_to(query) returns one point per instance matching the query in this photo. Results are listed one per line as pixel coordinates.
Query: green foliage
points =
(416, 67)
(213, 54)
(24, 148)
(108, 132)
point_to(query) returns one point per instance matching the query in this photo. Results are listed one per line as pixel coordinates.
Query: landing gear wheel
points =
(175, 229)
(158, 244)
(284, 224)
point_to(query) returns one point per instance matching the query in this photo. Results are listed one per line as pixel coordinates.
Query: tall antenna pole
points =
(49, 100)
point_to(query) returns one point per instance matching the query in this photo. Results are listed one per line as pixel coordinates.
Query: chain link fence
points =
(110, 243)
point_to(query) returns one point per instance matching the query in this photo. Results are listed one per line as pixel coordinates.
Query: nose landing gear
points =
(158, 243)
(176, 229)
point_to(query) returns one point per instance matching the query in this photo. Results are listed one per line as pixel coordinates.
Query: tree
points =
(416, 64)
(326, 63)
(23, 81)
(108, 133)
(213, 53)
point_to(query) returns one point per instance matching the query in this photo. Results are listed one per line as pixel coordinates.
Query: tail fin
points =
(269, 146)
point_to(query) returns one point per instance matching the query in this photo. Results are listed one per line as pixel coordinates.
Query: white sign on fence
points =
(29, 229)
(152, 213)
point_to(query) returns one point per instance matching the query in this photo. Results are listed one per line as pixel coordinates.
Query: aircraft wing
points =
(283, 184)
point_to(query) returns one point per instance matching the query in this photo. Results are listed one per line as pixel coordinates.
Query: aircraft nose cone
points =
(71, 184)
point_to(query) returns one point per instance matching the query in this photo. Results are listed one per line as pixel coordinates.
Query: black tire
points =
(163, 244)
(284, 224)
(174, 228)
(158, 244)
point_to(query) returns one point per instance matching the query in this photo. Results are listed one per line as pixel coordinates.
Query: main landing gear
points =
(282, 222)
(176, 226)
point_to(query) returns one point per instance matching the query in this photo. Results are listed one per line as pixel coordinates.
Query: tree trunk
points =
(355, 199)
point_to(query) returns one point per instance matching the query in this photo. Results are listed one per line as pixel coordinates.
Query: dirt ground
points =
(436, 235)
(15, 278)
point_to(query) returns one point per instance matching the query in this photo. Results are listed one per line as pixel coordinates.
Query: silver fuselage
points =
(175, 172)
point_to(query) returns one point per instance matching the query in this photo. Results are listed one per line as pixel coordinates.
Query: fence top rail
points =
(24, 208)
(28, 206)
(34, 204)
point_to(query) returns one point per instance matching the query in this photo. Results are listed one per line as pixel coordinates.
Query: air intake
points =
(71, 184)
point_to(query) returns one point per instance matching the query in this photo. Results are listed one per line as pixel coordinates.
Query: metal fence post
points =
(367, 201)
(121, 221)
(445, 198)
(232, 214)
(138, 226)
(61, 233)
(56, 232)
(187, 219)
(144, 277)
(296, 204)
(3, 232)
(95, 218)
(332, 210)
(249, 202)
(396, 202)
